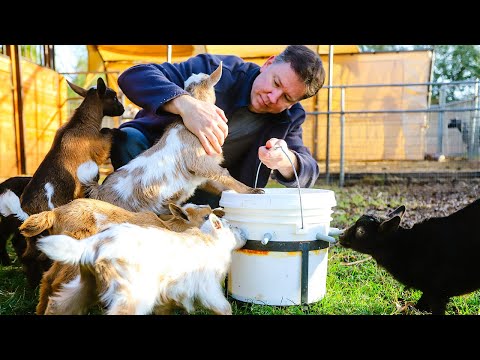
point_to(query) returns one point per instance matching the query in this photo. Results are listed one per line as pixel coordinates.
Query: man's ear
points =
(267, 63)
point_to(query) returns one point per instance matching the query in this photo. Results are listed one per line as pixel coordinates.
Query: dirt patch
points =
(422, 201)
(404, 166)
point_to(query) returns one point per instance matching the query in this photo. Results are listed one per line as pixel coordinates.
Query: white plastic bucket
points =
(284, 261)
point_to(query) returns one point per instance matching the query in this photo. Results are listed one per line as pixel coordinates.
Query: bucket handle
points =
(296, 177)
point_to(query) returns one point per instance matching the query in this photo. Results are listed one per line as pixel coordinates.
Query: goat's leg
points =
(4, 235)
(74, 298)
(434, 303)
(9, 229)
(52, 280)
(165, 309)
(123, 305)
(213, 187)
(100, 149)
(32, 270)
(211, 170)
(19, 243)
(439, 305)
(212, 298)
(423, 304)
(44, 293)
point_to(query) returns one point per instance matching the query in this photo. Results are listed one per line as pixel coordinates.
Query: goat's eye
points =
(206, 217)
(360, 232)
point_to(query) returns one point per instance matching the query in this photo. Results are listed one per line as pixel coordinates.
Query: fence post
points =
(473, 141)
(441, 106)
(342, 137)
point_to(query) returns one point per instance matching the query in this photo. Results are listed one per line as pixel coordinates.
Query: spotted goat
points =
(172, 168)
(82, 218)
(149, 270)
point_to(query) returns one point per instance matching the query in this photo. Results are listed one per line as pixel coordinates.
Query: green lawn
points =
(355, 284)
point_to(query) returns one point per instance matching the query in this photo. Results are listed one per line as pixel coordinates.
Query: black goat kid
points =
(436, 256)
(9, 224)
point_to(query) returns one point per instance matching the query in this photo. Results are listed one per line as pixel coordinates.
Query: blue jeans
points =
(125, 149)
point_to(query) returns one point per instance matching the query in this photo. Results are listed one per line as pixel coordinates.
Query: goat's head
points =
(201, 86)
(368, 231)
(108, 97)
(191, 215)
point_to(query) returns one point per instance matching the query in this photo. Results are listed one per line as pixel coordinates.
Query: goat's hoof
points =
(258, 191)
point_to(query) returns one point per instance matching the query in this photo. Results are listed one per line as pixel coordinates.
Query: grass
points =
(355, 284)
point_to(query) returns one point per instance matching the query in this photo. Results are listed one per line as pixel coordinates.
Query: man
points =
(257, 107)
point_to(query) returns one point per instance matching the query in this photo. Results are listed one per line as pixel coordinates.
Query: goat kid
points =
(81, 218)
(79, 142)
(9, 224)
(145, 270)
(434, 256)
(172, 168)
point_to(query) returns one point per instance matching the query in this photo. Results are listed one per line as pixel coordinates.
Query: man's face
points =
(275, 89)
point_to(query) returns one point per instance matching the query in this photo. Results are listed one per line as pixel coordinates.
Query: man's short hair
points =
(307, 64)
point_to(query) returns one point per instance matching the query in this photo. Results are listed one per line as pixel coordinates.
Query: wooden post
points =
(13, 51)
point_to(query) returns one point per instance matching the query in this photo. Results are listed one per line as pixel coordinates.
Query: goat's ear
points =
(177, 211)
(389, 225)
(101, 87)
(216, 75)
(79, 90)
(399, 211)
(219, 212)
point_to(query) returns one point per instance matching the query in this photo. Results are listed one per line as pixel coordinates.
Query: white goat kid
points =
(142, 270)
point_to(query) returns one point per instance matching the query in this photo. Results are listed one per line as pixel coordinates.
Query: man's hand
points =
(274, 158)
(207, 121)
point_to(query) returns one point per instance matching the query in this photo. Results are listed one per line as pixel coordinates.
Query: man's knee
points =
(125, 148)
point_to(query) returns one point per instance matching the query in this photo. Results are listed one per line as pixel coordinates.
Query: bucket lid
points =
(280, 198)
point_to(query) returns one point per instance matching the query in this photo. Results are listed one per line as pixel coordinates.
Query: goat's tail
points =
(88, 175)
(62, 248)
(10, 205)
(37, 223)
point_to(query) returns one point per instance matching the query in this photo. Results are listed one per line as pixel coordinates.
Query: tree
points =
(456, 63)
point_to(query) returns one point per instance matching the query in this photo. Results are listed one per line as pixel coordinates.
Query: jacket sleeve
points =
(308, 167)
(149, 86)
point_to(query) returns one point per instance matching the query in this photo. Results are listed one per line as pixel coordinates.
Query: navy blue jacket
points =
(149, 86)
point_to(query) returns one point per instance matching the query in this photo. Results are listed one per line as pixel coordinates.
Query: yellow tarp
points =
(99, 54)
(120, 57)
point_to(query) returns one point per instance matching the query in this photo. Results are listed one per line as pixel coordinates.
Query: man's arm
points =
(305, 165)
(207, 121)
(158, 88)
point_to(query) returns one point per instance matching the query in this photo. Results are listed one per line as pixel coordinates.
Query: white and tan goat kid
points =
(141, 270)
(82, 218)
(172, 168)
(80, 143)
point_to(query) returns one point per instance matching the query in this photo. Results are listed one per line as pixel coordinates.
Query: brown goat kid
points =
(80, 142)
(172, 168)
(82, 218)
